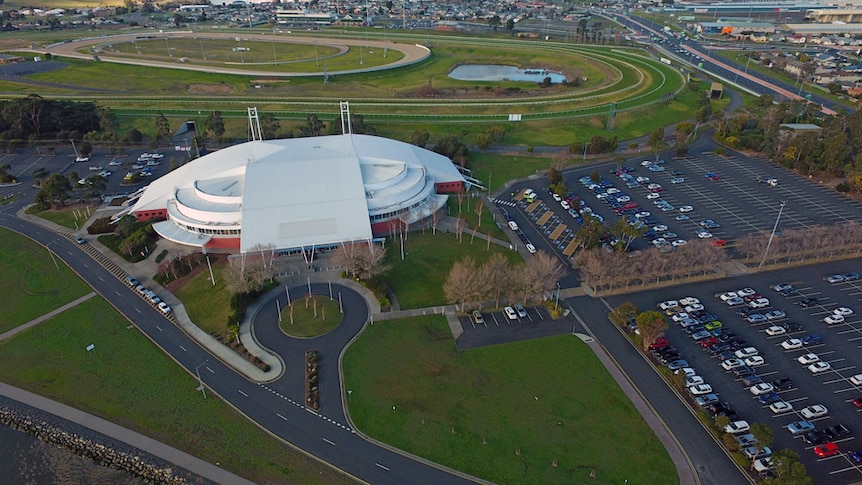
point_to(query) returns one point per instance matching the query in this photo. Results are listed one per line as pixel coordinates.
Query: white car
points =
(746, 352)
(814, 411)
(679, 317)
(833, 319)
(775, 330)
(679, 242)
(704, 235)
(746, 292)
(693, 381)
(115, 163)
(668, 304)
(762, 388)
(843, 311)
(737, 427)
(82, 159)
(759, 303)
(164, 307)
(653, 196)
(646, 163)
(731, 364)
(856, 380)
(686, 371)
(700, 389)
(530, 248)
(693, 308)
(511, 314)
(807, 359)
(686, 208)
(735, 301)
(661, 228)
(791, 344)
(781, 407)
(754, 361)
(728, 295)
(818, 367)
(689, 300)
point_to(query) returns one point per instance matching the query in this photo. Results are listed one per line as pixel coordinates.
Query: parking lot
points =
(111, 168)
(495, 327)
(838, 346)
(707, 196)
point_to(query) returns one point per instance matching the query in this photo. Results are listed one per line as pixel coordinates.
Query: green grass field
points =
(308, 321)
(127, 380)
(71, 217)
(549, 398)
(30, 283)
(207, 305)
(418, 279)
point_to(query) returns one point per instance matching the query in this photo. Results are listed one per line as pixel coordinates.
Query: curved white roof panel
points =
(300, 192)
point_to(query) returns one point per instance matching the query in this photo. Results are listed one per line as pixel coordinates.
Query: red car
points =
(657, 190)
(826, 450)
(857, 401)
(659, 343)
(630, 205)
(708, 341)
(718, 243)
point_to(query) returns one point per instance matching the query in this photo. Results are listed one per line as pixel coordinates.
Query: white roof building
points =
(298, 193)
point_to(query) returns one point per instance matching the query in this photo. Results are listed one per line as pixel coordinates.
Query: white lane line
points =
(381, 466)
(159, 328)
(330, 442)
(244, 394)
(137, 310)
(280, 416)
(183, 348)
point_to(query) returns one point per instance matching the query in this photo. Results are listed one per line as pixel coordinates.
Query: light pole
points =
(557, 300)
(200, 381)
(585, 151)
(349, 396)
(489, 183)
(772, 235)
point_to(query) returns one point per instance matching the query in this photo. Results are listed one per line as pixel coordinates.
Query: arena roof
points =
(297, 192)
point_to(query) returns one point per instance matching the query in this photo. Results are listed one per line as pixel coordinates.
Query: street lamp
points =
(489, 183)
(585, 151)
(200, 381)
(772, 235)
(557, 300)
(50, 253)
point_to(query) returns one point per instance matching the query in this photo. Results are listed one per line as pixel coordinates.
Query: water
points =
(25, 460)
(494, 72)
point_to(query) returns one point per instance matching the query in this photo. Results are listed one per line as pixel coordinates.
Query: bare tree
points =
(461, 282)
(362, 260)
(435, 220)
(651, 325)
(460, 224)
(547, 271)
(496, 272)
(480, 207)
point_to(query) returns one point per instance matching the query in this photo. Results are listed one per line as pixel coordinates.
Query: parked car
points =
(800, 427)
(737, 427)
(807, 359)
(826, 450)
(814, 411)
(780, 407)
(511, 314)
(762, 388)
(819, 367)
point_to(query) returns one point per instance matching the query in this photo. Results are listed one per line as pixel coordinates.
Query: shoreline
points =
(90, 444)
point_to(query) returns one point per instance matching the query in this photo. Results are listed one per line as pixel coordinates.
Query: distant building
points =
(302, 17)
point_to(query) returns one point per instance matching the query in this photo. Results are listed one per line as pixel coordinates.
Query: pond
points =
(494, 72)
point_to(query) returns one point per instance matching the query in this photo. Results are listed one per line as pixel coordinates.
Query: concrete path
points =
(51, 314)
(125, 435)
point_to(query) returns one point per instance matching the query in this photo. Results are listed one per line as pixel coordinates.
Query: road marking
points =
(280, 416)
(100, 279)
(183, 348)
(137, 310)
(381, 466)
(244, 394)
(211, 371)
(159, 328)
(330, 442)
(118, 293)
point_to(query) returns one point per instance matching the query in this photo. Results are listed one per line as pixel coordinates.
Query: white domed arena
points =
(298, 193)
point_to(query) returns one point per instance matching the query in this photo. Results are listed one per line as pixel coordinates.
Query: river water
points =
(25, 460)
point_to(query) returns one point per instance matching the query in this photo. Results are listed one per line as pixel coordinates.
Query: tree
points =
(656, 141)
(133, 136)
(420, 138)
(163, 127)
(626, 233)
(542, 273)
(497, 273)
(554, 176)
(623, 313)
(788, 469)
(54, 191)
(510, 25)
(215, 125)
(269, 126)
(590, 233)
(362, 260)
(651, 324)
(494, 22)
(313, 126)
(462, 282)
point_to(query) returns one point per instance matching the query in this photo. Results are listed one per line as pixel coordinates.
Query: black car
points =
(808, 302)
(728, 354)
(816, 437)
(737, 344)
(788, 292)
(707, 318)
(744, 312)
(718, 348)
(743, 371)
(792, 327)
(751, 380)
(838, 431)
(694, 329)
(727, 337)
(782, 383)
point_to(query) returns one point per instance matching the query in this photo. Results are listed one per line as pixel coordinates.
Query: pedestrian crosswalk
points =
(504, 202)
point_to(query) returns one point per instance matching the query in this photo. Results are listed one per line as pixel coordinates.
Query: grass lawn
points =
(483, 225)
(418, 279)
(207, 305)
(71, 217)
(127, 380)
(309, 321)
(30, 283)
(549, 398)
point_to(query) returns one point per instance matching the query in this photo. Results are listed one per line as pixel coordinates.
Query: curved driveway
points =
(413, 53)
(276, 407)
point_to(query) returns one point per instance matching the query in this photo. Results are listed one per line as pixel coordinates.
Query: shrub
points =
(161, 256)
(101, 225)
(720, 151)
(843, 187)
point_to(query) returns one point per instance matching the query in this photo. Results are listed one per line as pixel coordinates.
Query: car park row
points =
(743, 361)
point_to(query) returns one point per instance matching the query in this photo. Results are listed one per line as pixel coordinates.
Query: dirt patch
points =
(210, 89)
